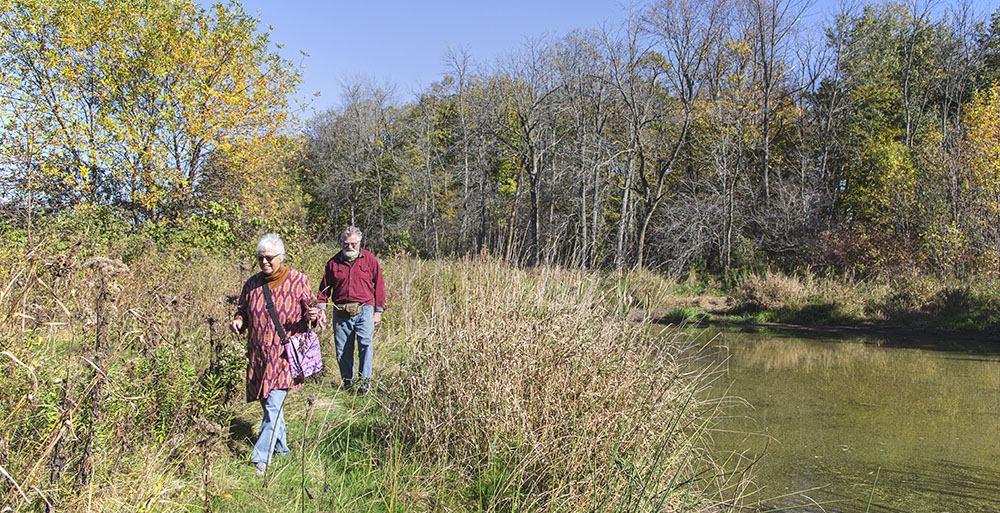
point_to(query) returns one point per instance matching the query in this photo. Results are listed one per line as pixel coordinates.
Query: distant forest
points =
(709, 134)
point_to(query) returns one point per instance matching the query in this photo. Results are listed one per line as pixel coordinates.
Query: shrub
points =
(770, 291)
(114, 359)
(966, 308)
(904, 297)
(867, 250)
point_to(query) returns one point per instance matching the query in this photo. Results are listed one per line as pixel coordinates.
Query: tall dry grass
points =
(771, 291)
(537, 387)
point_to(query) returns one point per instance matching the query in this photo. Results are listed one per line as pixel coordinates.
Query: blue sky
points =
(403, 42)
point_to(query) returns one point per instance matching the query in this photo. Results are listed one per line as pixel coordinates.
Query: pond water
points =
(912, 425)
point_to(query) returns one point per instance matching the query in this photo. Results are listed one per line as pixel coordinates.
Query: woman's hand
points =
(317, 317)
(236, 325)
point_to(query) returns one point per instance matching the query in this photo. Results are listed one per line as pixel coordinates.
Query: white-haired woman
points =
(269, 377)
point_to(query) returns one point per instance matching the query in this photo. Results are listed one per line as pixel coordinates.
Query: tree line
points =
(717, 134)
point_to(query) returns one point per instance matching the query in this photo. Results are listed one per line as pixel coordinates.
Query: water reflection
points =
(834, 414)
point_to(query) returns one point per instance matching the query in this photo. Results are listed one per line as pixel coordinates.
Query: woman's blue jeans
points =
(272, 437)
(347, 331)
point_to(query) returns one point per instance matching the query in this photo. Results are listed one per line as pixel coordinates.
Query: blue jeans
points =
(347, 331)
(272, 429)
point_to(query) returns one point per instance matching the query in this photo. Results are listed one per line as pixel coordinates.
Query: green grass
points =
(343, 459)
(686, 315)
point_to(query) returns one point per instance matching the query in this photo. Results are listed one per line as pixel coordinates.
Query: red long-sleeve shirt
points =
(358, 281)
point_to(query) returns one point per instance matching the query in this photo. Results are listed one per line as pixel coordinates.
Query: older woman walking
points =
(269, 377)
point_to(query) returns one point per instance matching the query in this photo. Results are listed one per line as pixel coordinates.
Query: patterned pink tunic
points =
(267, 366)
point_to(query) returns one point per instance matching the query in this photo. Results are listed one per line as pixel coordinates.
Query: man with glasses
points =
(352, 282)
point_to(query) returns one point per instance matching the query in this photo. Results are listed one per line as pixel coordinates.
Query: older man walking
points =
(352, 283)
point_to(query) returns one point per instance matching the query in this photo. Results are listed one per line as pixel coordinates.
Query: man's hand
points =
(236, 325)
(312, 313)
(377, 317)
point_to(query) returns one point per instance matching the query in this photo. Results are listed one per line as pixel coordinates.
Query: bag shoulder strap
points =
(269, 304)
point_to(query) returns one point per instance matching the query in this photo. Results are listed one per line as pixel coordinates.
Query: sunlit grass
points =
(913, 301)
(498, 389)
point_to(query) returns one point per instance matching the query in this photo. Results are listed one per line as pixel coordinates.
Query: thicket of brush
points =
(115, 368)
(499, 390)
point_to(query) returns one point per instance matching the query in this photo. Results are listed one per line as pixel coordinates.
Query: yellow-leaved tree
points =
(121, 103)
(981, 157)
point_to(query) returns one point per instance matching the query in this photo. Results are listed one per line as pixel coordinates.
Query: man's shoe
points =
(261, 468)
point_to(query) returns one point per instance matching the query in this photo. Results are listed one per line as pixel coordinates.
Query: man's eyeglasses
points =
(267, 257)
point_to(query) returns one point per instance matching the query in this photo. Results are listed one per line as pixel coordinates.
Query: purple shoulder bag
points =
(302, 350)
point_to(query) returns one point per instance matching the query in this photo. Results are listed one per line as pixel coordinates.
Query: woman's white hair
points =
(271, 242)
(350, 230)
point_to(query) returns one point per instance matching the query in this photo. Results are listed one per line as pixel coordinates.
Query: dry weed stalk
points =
(83, 332)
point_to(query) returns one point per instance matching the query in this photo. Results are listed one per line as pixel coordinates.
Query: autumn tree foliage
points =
(132, 105)
(982, 151)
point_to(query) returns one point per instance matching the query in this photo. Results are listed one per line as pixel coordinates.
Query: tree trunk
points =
(512, 218)
(481, 236)
(533, 230)
(624, 216)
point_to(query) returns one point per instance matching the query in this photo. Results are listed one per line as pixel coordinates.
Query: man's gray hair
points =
(350, 230)
(271, 242)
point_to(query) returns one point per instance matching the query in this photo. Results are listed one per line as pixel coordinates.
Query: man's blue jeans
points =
(347, 331)
(272, 429)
